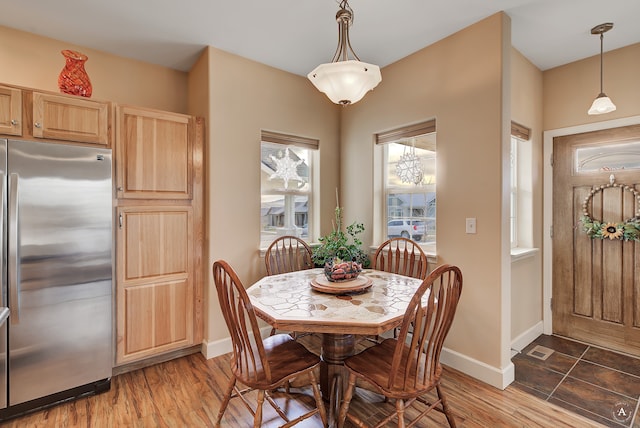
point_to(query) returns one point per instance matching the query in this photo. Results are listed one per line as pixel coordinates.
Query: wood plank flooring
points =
(187, 392)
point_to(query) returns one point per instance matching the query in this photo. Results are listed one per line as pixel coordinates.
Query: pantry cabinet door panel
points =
(154, 158)
(157, 318)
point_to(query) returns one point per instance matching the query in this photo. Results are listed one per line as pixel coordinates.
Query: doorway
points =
(599, 301)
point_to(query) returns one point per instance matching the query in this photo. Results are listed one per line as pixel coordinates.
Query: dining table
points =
(304, 301)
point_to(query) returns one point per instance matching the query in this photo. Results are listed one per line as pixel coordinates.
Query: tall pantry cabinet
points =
(159, 232)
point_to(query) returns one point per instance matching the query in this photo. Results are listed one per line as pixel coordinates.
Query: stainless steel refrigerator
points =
(56, 257)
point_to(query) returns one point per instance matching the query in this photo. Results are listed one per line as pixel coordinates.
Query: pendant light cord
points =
(601, 61)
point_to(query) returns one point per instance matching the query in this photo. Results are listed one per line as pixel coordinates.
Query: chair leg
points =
(445, 407)
(257, 419)
(225, 401)
(400, 412)
(344, 409)
(318, 397)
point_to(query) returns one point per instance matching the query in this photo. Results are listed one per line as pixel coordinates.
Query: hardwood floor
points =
(187, 392)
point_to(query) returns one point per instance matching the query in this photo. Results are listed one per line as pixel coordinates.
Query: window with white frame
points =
(514, 192)
(410, 182)
(521, 207)
(286, 188)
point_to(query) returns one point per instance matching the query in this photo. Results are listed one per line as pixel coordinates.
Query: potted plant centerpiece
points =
(340, 251)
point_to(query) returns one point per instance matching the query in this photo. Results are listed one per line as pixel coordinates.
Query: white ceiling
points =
(297, 35)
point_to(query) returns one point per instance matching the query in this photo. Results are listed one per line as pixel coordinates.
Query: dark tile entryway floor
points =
(601, 385)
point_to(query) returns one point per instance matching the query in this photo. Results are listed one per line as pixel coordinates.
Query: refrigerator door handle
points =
(3, 232)
(13, 267)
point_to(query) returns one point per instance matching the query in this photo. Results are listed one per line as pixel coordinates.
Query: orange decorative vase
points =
(73, 78)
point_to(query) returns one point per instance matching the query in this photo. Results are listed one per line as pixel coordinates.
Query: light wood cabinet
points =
(155, 153)
(160, 234)
(160, 266)
(10, 111)
(155, 280)
(70, 118)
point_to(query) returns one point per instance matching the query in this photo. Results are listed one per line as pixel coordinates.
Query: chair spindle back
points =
(249, 357)
(402, 256)
(416, 360)
(288, 254)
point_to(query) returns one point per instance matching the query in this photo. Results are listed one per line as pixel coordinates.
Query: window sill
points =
(520, 253)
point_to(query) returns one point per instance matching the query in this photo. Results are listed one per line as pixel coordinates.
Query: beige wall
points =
(35, 62)
(570, 89)
(459, 81)
(246, 97)
(526, 273)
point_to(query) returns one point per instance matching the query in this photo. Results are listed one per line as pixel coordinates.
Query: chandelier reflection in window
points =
(409, 168)
(286, 168)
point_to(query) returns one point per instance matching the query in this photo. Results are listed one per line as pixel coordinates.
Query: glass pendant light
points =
(602, 104)
(346, 79)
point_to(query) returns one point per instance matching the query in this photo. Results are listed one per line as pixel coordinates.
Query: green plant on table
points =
(341, 244)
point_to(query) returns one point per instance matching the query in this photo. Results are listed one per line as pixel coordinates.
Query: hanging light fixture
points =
(602, 104)
(345, 80)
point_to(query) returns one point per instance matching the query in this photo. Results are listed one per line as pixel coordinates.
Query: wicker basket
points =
(337, 270)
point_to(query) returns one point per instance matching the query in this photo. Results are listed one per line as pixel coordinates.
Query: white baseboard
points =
(224, 346)
(498, 378)
(521, 342)
(474, 368)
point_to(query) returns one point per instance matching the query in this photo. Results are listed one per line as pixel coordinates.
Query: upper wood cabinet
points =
(10, 111)
(70, 118)
(154, 154)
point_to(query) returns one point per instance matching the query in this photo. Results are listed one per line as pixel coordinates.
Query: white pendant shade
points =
(346, 79)
(345, 82)
(601, 105)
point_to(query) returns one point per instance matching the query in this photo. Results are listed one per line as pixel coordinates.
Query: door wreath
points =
(628, 230)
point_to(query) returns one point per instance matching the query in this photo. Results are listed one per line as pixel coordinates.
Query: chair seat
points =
(287, 358)
(374, 365)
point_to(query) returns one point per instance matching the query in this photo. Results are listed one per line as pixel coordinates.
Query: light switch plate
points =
(471, 225)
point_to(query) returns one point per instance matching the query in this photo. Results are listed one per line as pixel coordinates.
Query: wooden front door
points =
(596, 281)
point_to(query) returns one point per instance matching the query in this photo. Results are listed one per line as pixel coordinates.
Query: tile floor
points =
(601, 385)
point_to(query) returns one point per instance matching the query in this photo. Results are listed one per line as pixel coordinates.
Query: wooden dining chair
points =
(407, 368)
(262, 365)
(402, 256)
(288, 254)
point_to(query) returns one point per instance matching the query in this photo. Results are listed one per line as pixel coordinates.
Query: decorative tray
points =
(322, 284)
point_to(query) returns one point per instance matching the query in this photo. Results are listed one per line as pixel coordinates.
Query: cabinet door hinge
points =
(551, 159)
(551, 231)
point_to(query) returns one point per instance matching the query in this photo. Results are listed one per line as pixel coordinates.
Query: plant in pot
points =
(340, 247)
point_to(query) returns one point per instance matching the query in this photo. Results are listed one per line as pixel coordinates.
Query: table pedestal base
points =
(333, 375)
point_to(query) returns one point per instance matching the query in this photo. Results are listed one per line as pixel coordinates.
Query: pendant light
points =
(602, 104)
(345, 80)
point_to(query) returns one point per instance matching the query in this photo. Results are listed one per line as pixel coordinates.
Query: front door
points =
(596, 279)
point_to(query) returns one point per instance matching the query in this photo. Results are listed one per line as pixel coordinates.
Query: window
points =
(521, 210)
(410, 182)
(514, 192)
(286, 187)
